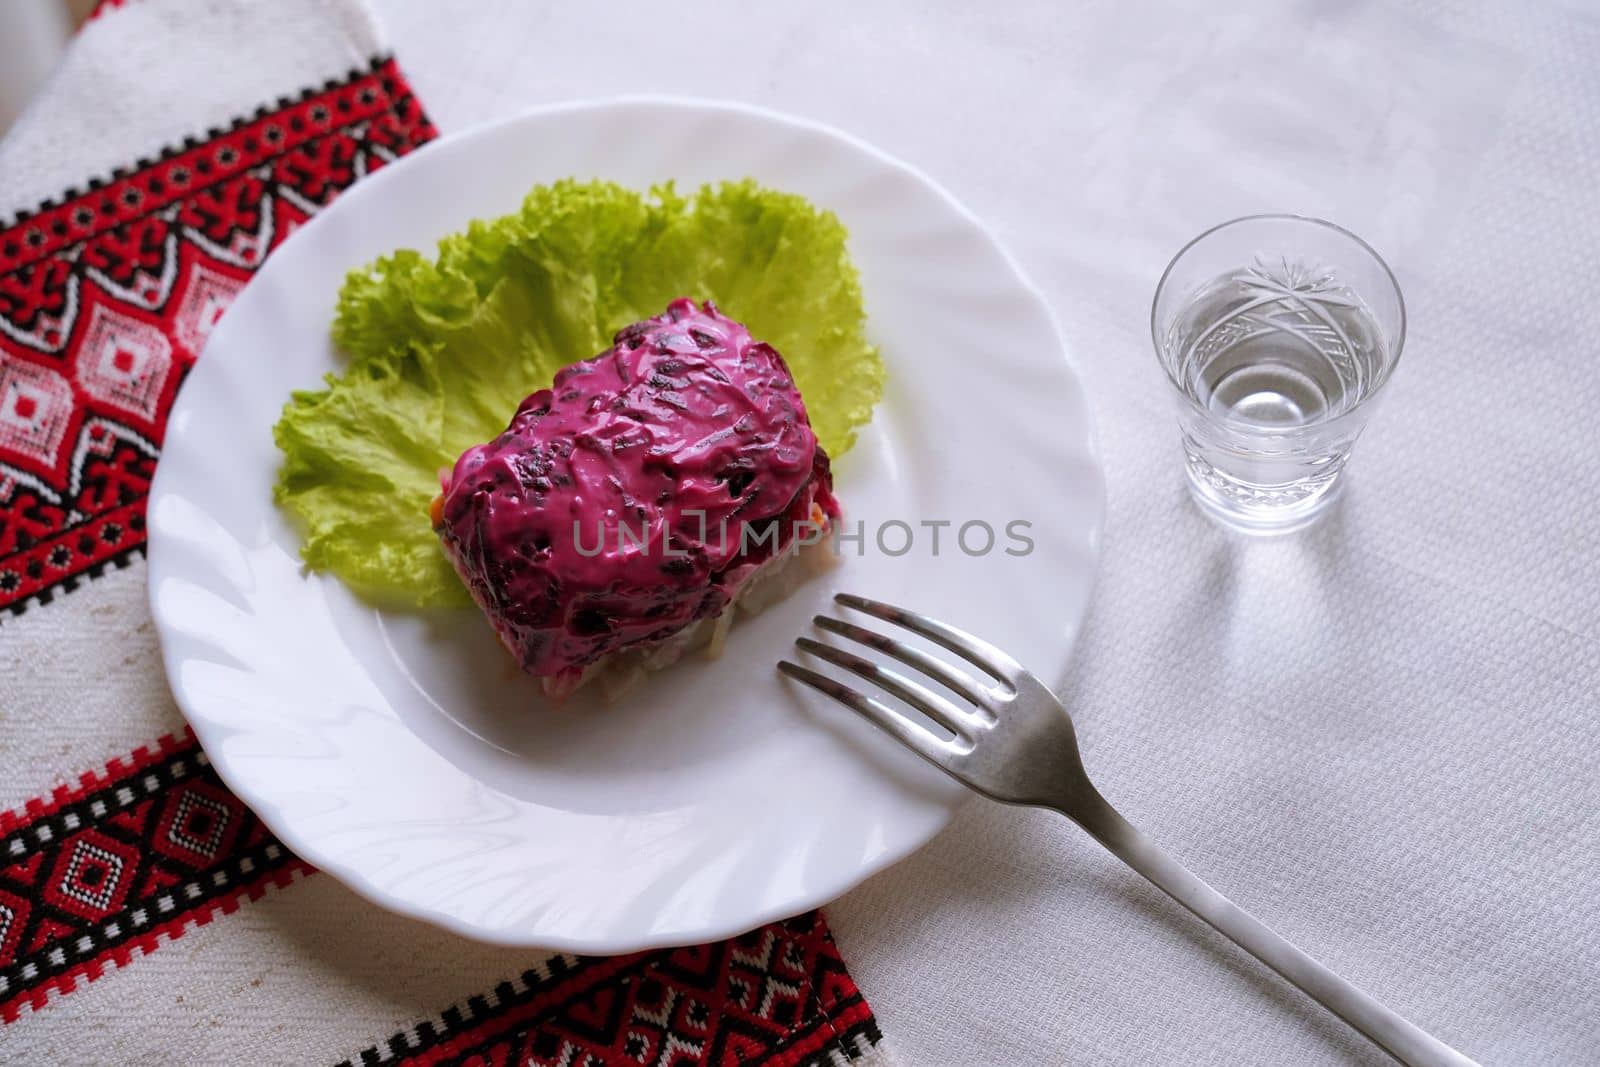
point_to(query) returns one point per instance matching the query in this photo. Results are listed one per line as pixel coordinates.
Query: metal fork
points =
(1013, 742)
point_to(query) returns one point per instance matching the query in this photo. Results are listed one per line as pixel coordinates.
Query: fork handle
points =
(1386, 1028)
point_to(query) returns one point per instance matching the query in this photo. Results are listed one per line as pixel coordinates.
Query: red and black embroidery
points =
(141, 852)
(156, 844)
(779, 995)
(107, 296)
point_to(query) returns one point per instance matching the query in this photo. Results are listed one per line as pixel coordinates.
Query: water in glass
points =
(1268, 329)
(1276, 345)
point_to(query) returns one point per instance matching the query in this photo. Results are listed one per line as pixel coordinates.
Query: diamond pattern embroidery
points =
(154, 844)
(13, 917)
(36, 407)
(208, 296)
(91, 877)
(672, 1008)
(124, 362)
(108, 295)
(196, 827)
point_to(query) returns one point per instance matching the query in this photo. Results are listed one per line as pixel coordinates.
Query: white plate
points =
(402, 755)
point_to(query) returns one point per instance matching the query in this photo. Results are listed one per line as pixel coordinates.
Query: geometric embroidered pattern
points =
(108, 294)
(141, 852)
(156, 844)
(91, 876)
(778, 995)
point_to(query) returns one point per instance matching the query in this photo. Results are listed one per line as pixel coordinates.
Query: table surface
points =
(1382, 735)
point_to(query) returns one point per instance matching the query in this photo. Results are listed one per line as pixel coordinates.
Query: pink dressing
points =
(685, 428)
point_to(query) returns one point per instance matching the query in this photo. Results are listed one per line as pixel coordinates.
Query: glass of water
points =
(1278, 332)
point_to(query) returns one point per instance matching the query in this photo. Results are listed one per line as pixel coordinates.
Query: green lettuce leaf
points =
(442, 350)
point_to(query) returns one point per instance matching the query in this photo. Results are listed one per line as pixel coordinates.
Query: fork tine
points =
(935, 707)
(917, 738)
(974, 650)
(958, 682)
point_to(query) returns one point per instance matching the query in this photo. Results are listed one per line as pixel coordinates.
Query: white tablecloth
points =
(1383, 735)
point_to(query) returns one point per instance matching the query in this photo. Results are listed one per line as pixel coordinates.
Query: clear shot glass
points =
(1278, 333)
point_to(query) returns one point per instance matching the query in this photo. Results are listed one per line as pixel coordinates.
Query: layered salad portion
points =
(627, 509)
